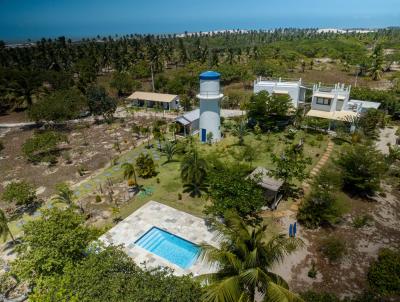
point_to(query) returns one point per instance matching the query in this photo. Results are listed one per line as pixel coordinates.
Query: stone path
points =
(306, 184)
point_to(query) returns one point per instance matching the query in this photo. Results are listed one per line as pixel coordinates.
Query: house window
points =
(323, 101)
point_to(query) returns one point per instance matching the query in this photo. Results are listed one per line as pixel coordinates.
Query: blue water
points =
(170, 247)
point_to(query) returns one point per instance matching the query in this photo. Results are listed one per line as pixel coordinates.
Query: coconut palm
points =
(4, 229)
(169, 150)
(129, 171)
(158, 135)
(64, 195)
(244, 260)
(377, 63)
(240, 131)
(194, 172)
(193, 167)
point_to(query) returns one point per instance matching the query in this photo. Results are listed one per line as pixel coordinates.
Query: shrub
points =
(22, 193)
(333, 248)
(312, 273)
(384, 273)
(1, 146)
(320, 207)
(42, 147)
(229, 189)
(59, 106)
(98, 198)
(179, 196)
(362, 220)
(82, 170)
(145, 166)
(362, 168)
(131, 182)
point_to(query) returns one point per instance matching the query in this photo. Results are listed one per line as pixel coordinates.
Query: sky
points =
(23, 19)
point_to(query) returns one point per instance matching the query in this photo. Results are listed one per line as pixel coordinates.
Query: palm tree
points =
(129, 171)
(244, 261)
(169, 150)
(240, 131)
(145, 131)
(377, 63)
(64, 195)
(194, 172)
(4, 229)
(173, 128)
(158, 135)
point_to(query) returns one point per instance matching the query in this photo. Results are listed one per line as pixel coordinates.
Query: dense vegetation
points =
(28, 74)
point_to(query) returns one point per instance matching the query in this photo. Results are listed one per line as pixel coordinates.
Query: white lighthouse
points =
(210, 97)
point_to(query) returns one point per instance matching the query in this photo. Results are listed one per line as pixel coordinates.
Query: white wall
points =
(210, 117)
(294, 91)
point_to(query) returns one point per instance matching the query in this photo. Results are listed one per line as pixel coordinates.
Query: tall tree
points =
(59, 106)
(362, 168)
(51, 243)
(290, 165)
(377, 63)
(100, 103)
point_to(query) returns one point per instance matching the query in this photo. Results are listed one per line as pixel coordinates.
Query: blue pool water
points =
(170, 247)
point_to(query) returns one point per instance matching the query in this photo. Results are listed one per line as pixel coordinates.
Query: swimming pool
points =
(170, 247)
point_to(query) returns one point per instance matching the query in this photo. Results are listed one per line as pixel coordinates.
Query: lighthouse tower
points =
(210, 97)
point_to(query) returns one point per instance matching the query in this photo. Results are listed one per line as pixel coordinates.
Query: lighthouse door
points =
(203, 135)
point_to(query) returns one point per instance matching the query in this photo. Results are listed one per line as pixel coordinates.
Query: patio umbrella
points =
(290, 230)
(294, 229)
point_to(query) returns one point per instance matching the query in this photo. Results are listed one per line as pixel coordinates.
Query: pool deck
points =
(164, 217)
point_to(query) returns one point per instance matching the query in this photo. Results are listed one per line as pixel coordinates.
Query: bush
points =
(42, 147)
(333, 248)
(312, 273)
(362, 220)
(131, 182)
(98, 198)
(59, 106)
(384, 273)
(362, 168)
(145, 166)
(229, 189)
(320, 207)
(22, 193)
(1, 146)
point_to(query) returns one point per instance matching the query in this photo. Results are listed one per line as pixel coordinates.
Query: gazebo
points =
(270, 185)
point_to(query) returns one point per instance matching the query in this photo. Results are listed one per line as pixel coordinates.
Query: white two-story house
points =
(294, 89)
(334, 103)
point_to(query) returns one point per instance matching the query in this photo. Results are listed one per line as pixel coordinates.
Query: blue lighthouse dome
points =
(210, 75)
